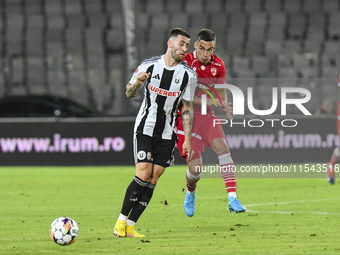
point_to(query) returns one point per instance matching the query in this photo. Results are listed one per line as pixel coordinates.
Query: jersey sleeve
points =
(221, 78)
(189, 92)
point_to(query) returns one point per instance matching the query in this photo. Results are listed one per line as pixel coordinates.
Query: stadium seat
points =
(334, 25)
(272, 6)
(296, 28)
(311, 46)
(316, 27)
(197, 22)
(214, 7)
(331, 47)
(219, 24)
(179, 20)
(256, 33)
(329, 90)
(194, 6)
(35, 79)
(236, 31)
(74, 40)
(33, 8)
(93, 7)
(253, 6)
(292, 46)
(155, 6)
(159, 22)
(53, 8)
(330, 5)
(175, 6)
(17, 70)
(14, 34)
(272, 47)
(233, 6)
(311, 6)
(277, 22)
(291, 6)
(115, 7)
(260, 65)
(73, 7)
(76, 21)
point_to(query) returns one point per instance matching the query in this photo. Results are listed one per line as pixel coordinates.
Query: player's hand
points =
(142, 77)
(187, 150)
(228, 110)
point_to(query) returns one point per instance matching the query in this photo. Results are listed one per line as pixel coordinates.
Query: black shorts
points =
(154, 150)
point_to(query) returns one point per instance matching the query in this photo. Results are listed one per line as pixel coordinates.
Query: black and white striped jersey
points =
(163, 91)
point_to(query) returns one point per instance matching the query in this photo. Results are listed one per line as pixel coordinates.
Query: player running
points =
(336, 153)
(210, 71)
(166, 81)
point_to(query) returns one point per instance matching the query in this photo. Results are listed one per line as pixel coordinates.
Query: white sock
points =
(122, 217)
(130, 223)
(232, 194)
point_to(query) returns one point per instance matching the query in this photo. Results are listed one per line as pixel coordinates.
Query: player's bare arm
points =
(226, 107)
(132, 90)
(187, 120)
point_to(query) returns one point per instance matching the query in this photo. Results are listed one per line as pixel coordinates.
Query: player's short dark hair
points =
(206, 35)
(179, 31)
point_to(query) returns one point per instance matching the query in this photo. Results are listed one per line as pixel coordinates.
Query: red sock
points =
(192, 181)
(228, 171)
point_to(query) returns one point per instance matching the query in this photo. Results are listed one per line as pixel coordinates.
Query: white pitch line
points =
(289, 202)
(282, 212)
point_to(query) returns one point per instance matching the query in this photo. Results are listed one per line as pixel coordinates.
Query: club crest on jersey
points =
(141, 155)
(213, 71)
(148, 155)
(177, 80)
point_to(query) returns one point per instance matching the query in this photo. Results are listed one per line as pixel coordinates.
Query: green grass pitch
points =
(284, 216)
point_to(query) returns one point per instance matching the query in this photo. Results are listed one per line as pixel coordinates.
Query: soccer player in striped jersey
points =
(210, 70)
(166, 81)
(336, 153)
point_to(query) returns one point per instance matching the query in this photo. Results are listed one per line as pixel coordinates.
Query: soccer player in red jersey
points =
(336, 153)
(210, 70)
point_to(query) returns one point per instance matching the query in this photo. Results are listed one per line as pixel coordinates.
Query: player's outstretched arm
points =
(132, 90)
(187, 120)
(226, 107)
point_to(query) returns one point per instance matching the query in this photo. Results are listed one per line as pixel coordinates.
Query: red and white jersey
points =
(208, 75)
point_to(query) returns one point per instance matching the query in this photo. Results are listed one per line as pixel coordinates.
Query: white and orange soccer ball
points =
(64, 231)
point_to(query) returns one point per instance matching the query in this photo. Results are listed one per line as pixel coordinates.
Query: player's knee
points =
(222, 150)
(337, 152)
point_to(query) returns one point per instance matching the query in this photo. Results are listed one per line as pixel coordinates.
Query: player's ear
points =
(195, 45)
(169, 43)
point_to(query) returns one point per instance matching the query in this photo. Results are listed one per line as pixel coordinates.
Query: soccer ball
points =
(64, 231)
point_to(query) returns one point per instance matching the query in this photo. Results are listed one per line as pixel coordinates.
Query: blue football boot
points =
(234, 205)
(189, 203)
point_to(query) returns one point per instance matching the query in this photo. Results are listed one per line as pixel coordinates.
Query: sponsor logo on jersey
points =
(163, 92)
(156, 76)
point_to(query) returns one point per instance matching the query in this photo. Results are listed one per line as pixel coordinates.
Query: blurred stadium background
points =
(86, 49)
